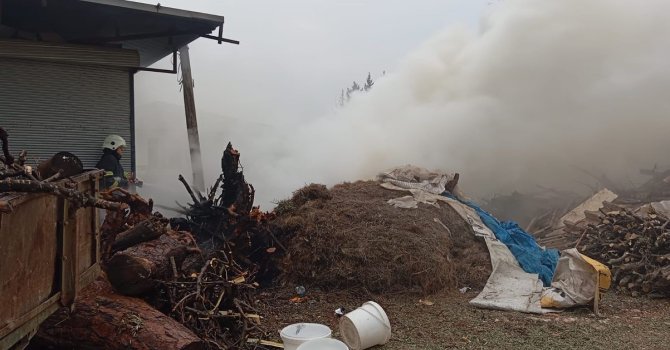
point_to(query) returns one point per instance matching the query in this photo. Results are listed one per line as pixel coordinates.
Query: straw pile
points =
(349, 237)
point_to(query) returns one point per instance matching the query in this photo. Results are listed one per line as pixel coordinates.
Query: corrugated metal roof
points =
(159, 9)
(155, 31)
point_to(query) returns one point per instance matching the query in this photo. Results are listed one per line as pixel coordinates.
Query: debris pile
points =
(625, 231)
(203, 279)
(635, 246)
(350, 237)
(215, 302)
(562, 229)
(230, 222)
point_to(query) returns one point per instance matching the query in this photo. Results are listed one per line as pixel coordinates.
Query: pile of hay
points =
(349, 237)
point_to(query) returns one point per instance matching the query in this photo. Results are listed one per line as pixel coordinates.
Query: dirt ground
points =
(451, 323)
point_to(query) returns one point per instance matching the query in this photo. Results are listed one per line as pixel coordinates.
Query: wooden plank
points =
(89, 276)
(69, 275)
(28, 263)
(95, 189)
(30, 326)
(84, 239)
(15, 323)
(86, 221)
(15, 199)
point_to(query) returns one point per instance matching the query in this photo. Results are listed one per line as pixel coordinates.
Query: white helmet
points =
(113, 142)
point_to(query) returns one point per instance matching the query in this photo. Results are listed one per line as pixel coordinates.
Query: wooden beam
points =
(191, 120)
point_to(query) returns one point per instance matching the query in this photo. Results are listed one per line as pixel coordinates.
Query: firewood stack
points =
(636, 247)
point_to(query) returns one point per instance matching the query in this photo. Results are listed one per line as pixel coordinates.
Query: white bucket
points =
(365, 327)
(299, 333)
(323, 344)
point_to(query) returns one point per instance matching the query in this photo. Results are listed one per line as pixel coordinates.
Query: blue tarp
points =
(531, 257)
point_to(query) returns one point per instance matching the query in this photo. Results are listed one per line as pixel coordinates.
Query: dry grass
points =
(349, 237)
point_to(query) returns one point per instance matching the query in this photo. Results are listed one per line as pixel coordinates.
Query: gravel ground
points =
(450, 322)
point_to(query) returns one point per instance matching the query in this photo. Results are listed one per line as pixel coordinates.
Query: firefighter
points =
(110, 162)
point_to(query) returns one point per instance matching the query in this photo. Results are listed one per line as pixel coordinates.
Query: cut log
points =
(137, 269)
(146, 230)
(103, 320)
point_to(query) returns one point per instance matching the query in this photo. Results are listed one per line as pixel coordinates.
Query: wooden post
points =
(191, 121)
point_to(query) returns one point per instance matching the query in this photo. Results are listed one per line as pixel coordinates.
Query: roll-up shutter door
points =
(48, 107)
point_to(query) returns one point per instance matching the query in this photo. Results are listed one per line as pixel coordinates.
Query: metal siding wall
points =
(51, 107)
(66, 53)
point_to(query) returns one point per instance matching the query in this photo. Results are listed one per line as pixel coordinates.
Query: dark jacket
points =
(114, 175)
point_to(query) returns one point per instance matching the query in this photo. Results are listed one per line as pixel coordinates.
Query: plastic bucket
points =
(323, 344)
(299, 333)
(365, 327)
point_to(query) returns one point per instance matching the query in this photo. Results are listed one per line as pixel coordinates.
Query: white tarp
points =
(509, 287)
(418, 196)
(412, 177)
(575, 279)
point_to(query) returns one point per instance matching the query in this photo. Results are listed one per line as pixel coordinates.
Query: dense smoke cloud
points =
(544, 88)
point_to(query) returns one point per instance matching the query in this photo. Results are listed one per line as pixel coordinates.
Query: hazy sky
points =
(296, 55)
(513, 94)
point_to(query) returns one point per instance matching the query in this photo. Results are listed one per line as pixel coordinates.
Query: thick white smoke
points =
(542, 89)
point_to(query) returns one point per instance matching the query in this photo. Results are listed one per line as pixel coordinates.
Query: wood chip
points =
(265, 342)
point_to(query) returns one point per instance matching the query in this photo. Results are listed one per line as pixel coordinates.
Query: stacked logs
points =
(635, 246)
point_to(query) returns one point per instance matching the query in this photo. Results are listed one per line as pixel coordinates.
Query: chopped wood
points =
(635, 247)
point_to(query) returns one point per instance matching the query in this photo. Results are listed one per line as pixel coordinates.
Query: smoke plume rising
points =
(542, 89)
